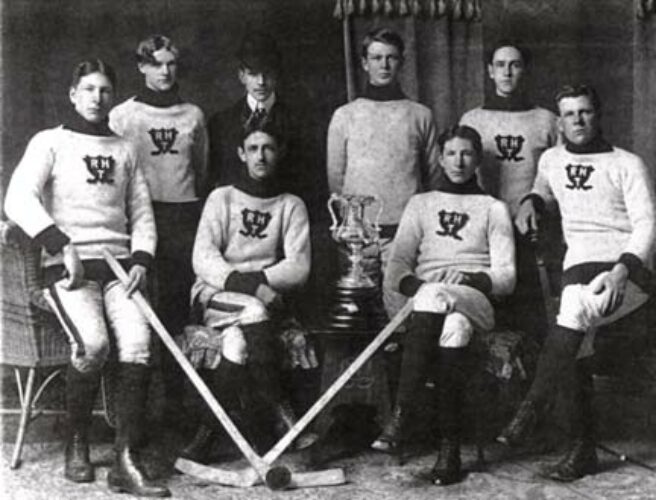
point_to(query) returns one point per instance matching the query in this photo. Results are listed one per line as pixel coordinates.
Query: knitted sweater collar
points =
(596, 145)
(163, 99)
(391, 92)
(82, 126)
(445, 185)
(267, 188)
(514, 102)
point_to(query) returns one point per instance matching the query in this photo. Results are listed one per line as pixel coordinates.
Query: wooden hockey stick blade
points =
(239, 478)
(329, 477)
(280, 447)
(260, 466)
(625, 458)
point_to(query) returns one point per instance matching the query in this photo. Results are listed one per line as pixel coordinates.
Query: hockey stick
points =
(276, 477)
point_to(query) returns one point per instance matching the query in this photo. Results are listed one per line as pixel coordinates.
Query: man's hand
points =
(449, 276)
(74, 267)
(526, 219)
(269, 297)
(137, 277)
(613, 285)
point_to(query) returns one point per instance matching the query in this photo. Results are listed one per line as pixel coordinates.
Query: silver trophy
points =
(355, 302)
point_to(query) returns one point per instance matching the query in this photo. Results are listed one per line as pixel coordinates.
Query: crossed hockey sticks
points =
(275, 477)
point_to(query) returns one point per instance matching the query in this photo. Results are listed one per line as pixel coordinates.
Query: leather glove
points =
(202, 346)
(300, 352)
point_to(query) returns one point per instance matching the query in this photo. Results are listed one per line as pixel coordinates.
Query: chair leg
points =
(26, 411)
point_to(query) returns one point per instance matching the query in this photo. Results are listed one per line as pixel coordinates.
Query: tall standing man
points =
(171, 143)
(606, 198)
(383, 143)
(515, 133)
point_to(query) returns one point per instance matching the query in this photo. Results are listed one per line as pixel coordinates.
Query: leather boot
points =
(286, 419)
(126, 475)
(199, 448)
(391, 439)
(521, 425)
(447, 468)
(579, 460)
(81, 390)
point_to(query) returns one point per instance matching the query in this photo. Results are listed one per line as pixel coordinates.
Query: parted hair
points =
(153, 43)
(93, 66)
(266, 127)
(577, 90)
(382, 35)
(509, 42)
(464, 132)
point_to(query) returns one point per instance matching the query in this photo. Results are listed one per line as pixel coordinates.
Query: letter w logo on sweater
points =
(101, 169)
(452, 223)
(164, 140)
(509, 147)
(578, 176)
(254, 223)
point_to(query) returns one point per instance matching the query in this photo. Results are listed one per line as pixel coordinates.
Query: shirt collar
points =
(253, 103)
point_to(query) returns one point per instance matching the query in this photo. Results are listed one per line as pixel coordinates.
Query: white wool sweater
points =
(172, 147)
(606, 200)
(469, 232)
(89, 187)
(512, 144)
(245, 233)
(383, 148)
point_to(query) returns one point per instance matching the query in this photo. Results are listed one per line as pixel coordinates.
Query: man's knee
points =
(457, 331)
(577, 308)
(233, 346)
(433, 298)
(91, 357)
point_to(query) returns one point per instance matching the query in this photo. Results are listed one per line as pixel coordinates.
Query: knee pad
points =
(457, 331)
(233, 345)
(433, 298)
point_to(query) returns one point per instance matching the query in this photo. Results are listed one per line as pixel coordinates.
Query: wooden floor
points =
(369, 475)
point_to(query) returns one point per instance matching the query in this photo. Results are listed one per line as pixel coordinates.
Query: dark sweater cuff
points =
(632, 263)
(52, 239)
(480, 281)
(245, 282)
(409, 285)
(537, 200)
(142, 258)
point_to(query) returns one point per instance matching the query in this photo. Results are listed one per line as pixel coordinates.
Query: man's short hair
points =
(383, 35)
(577, 90)
(508, 42)
(152, 44)
(259, 53)
(93, 66)
(463, 132)
(267, 128)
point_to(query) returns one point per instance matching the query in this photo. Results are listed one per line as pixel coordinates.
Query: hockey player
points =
(252, 247)
(515, 132)
(78, 189)
(606, 198)
(171, 143)
(453, 250)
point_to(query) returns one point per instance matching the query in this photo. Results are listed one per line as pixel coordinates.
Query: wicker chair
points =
(31, 337)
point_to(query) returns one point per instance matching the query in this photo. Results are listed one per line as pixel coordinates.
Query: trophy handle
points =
(333, 197)
(380, 211)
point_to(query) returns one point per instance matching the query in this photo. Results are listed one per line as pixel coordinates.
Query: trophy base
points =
(359, 309)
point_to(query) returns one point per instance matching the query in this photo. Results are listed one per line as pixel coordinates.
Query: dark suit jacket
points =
(299, 170)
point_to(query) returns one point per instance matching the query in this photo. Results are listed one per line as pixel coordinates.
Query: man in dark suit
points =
(259, 69)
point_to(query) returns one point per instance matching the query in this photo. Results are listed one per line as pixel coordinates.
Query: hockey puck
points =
(278, 478)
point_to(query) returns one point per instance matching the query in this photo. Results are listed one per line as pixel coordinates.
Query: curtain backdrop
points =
(443, 66)
(644, 90)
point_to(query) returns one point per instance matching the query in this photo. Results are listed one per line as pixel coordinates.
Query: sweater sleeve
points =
(23, 202)
(336, 152)
(502, 249)
(541, 185)
(405, 248)
(637, 185)
(207, 257)
(200, 153)
(293, 270)
(143, 234)
(430, 157)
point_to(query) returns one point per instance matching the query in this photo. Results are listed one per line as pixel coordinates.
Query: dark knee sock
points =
(131, 403)
(582, 411)
(81, 391)
(225, 382)
(453, 370)
(264, 360)
(419, 350)
(556, 365)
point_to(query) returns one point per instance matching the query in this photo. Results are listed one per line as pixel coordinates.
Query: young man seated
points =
(252, 248)
(453, 250)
